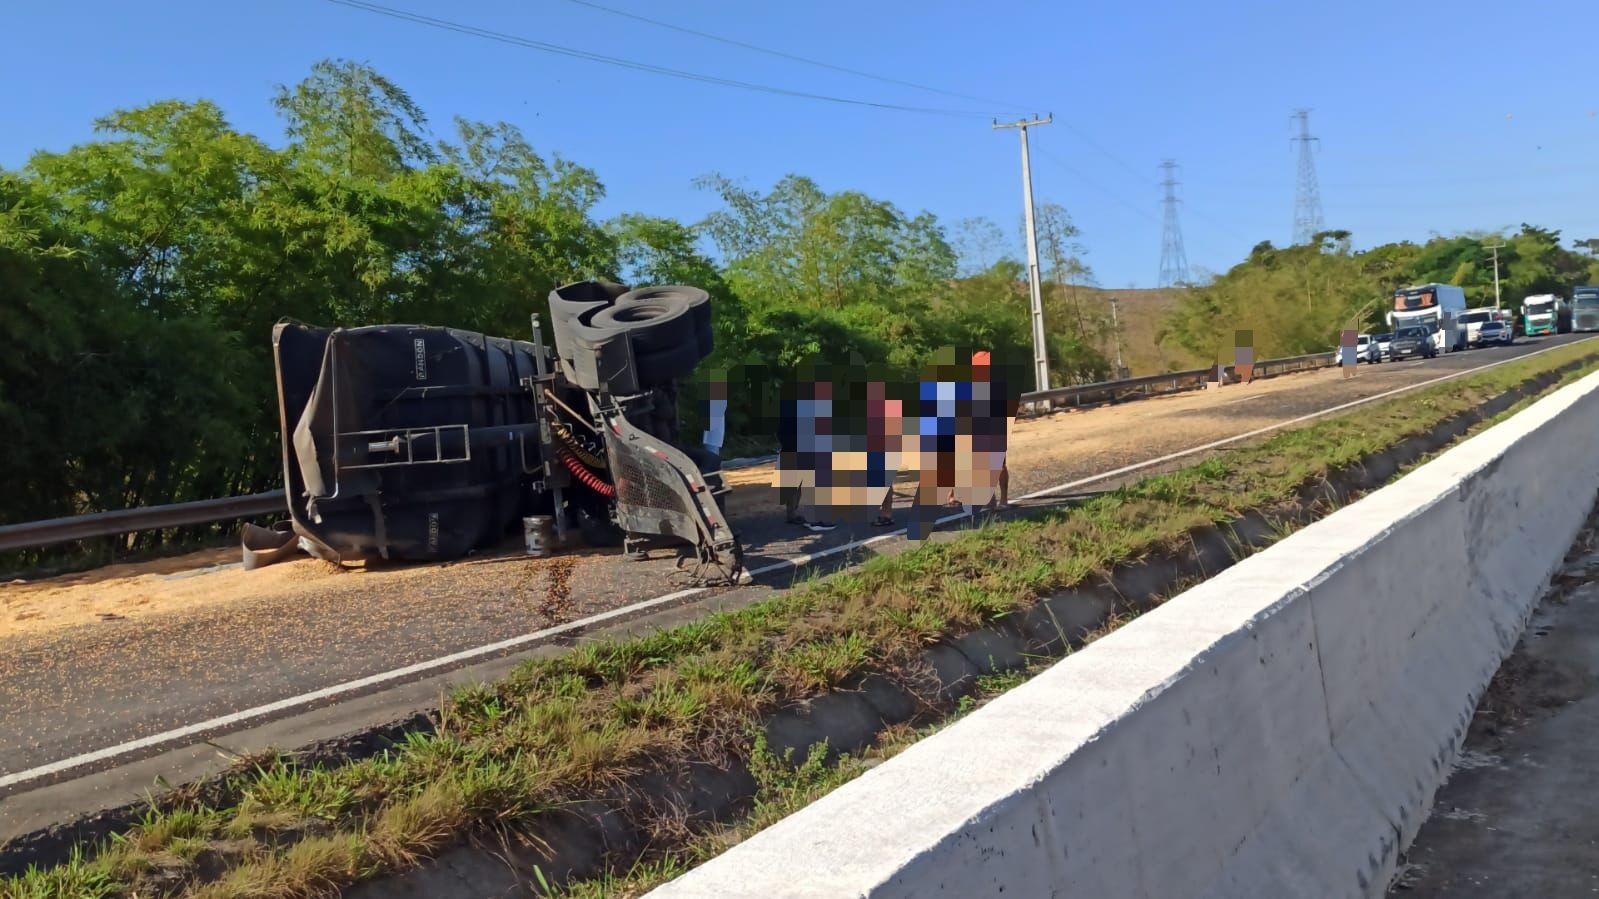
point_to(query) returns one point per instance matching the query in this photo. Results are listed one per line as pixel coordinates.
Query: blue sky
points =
(1433, 117)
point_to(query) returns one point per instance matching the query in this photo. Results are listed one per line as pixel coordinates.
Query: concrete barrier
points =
(1277, 731)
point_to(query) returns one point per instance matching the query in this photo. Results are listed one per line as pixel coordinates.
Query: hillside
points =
(1140, 313)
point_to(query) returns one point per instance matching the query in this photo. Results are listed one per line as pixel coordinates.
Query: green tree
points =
(111, 401)
(800, 246)
(1294, 300)
(351, 121)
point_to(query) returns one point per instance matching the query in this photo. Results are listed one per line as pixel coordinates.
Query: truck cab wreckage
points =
(416, 443)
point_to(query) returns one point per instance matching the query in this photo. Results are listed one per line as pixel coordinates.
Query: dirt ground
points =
(1043, 452)
(1516, 816)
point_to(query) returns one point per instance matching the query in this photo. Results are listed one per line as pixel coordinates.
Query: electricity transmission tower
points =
(1173, 259)
(1307, 198)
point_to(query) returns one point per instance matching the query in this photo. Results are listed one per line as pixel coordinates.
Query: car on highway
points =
(1473, 320)
(1366, 349)
(1408, 342)
(1384, 341)
(1496, 331)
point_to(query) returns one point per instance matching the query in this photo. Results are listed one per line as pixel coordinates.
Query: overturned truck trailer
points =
(413, 443)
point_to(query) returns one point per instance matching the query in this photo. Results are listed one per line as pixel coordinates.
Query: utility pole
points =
(1496, 248)
(1354, 321)
(1040, 356)
(1116, 329)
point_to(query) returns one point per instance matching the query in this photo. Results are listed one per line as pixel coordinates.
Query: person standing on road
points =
(884, 445)
(995, 402)
(715, 412)
(805, 402)
(1347, 353)
(946, 392)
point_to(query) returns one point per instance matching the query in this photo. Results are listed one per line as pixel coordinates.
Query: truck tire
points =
(691, 297)
(699, 308)
(705, 337)
(672, 364)
(654, 325)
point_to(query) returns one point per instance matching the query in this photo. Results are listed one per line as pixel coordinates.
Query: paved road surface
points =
(91, 662)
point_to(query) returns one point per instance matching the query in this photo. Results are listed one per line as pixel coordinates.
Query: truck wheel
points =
(699, 308)
(654, 324)
(672, 364)
(705, 337)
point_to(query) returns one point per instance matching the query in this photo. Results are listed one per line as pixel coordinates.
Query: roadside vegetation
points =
(579, 726)
(142, 272)
(1296, 299)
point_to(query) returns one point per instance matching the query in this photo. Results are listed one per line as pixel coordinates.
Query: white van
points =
(1473, 320)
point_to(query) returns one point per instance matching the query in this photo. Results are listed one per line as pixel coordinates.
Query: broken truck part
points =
(416, 443)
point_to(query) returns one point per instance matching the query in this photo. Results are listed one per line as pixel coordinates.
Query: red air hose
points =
(589, 478)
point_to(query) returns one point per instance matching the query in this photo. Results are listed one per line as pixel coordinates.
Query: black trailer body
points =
(417, 443)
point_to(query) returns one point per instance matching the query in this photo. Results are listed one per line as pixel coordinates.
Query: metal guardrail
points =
(1082, 395)
(33, 534)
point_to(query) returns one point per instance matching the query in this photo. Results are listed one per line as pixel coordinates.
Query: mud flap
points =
(661, 492)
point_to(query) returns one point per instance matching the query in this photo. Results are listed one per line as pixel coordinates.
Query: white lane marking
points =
(1244, 399)
(190, 730)
(466, 655)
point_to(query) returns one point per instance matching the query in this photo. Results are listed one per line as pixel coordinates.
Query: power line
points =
(795, 57)
(781, 54)
(543, 46)
(1072, 170)
(530, 44)
(1129, 205)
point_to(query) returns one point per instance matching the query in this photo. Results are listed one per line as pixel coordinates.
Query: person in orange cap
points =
(993, 409)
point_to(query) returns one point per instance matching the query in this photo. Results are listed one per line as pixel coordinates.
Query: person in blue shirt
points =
(804, 432)
(942, 394)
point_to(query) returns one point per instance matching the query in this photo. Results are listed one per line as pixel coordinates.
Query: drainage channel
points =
(1516, 816)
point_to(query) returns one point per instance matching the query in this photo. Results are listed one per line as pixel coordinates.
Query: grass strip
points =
(561, 730)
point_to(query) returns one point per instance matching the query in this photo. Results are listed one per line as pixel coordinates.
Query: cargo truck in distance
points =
(1437, 307)
(1545, 313)
(1585, 308)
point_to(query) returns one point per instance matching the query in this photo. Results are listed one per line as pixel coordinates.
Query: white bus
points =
(1437, 307)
